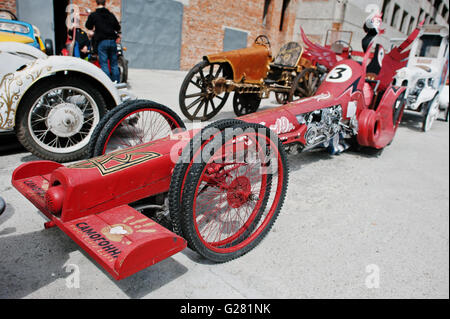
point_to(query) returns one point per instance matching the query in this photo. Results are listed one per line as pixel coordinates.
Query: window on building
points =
(384, 11)
(429, 46)
(395, 14)
(411, 25)
(283, 13)
(437, 4)
(266, 10)
(403, 23)
(420, 17)
(444, 11)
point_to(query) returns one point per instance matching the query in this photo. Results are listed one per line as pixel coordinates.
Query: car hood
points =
(11, 37)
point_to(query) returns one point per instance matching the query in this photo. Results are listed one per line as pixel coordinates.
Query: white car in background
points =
(53, 102)
(426, 74)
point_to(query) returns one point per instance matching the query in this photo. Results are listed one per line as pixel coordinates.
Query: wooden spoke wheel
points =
(305, 84)
(198, 101)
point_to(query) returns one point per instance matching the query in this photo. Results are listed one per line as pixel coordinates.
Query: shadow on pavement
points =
(31, 261)
(34, 260)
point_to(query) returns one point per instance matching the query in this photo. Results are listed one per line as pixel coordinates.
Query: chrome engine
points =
(322, 125)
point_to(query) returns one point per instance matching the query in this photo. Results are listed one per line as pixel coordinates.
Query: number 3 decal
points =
(339, 74)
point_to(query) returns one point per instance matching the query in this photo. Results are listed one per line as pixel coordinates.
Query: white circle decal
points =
(339, 74)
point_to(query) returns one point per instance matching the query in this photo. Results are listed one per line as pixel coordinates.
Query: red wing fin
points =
(123, 241)
(396, 59)
(322, 55)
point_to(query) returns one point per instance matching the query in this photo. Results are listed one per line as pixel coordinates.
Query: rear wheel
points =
(232, 195)
(305, 84)
(132, 124)
(198, 101)
(431, 113)
(282, 98)
(123, 68)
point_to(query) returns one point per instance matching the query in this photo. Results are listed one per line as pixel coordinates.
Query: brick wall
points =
(204, 25)
(8, 5)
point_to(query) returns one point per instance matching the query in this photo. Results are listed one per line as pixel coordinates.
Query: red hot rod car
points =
(218, 189)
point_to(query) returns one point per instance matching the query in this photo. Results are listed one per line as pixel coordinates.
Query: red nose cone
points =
(54, 199)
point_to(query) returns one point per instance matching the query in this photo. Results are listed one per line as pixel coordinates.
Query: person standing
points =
(106, 29)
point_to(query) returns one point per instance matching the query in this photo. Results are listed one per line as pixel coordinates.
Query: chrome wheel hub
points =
(65, 120)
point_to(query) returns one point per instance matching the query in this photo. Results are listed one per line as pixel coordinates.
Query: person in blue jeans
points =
(106, 29)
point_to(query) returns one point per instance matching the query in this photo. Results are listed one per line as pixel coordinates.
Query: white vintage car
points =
(53, 102)
(426, 74)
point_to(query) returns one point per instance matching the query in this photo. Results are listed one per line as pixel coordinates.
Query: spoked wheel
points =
(132, 124)
(245, 103)
(263, 40)
(123, 69)
(58, 118)
(282, 98)
(305, 84)
(431, 113)
(447, 114)
(198, 101)
(398, 108)
(233, 186)
(2, 205)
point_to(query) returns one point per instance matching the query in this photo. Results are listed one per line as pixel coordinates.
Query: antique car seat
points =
(288, 56)
(286, 59)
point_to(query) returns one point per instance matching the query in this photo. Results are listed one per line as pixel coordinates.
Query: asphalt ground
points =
(357, 225)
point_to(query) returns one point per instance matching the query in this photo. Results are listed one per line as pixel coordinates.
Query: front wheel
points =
(198, 99)
(232, 190)
(431, 113)
(57, 118)
(2, 205)
(245, 103)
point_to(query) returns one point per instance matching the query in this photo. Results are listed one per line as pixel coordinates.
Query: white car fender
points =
(427, 94)
(14, 85)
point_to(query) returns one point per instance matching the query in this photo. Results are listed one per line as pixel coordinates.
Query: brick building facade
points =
(9, 5)
(400, 17)
(204, 22)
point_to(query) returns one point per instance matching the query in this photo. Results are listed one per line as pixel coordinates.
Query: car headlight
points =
(431, 82)
(420, 84)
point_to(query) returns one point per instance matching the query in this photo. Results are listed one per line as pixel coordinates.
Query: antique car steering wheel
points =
(344, 43)
(263, 40)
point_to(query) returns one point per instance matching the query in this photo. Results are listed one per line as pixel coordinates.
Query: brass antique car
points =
(251, 73)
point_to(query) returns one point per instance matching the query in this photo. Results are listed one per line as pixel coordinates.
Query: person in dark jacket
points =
(83, 43)
(106, 29)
